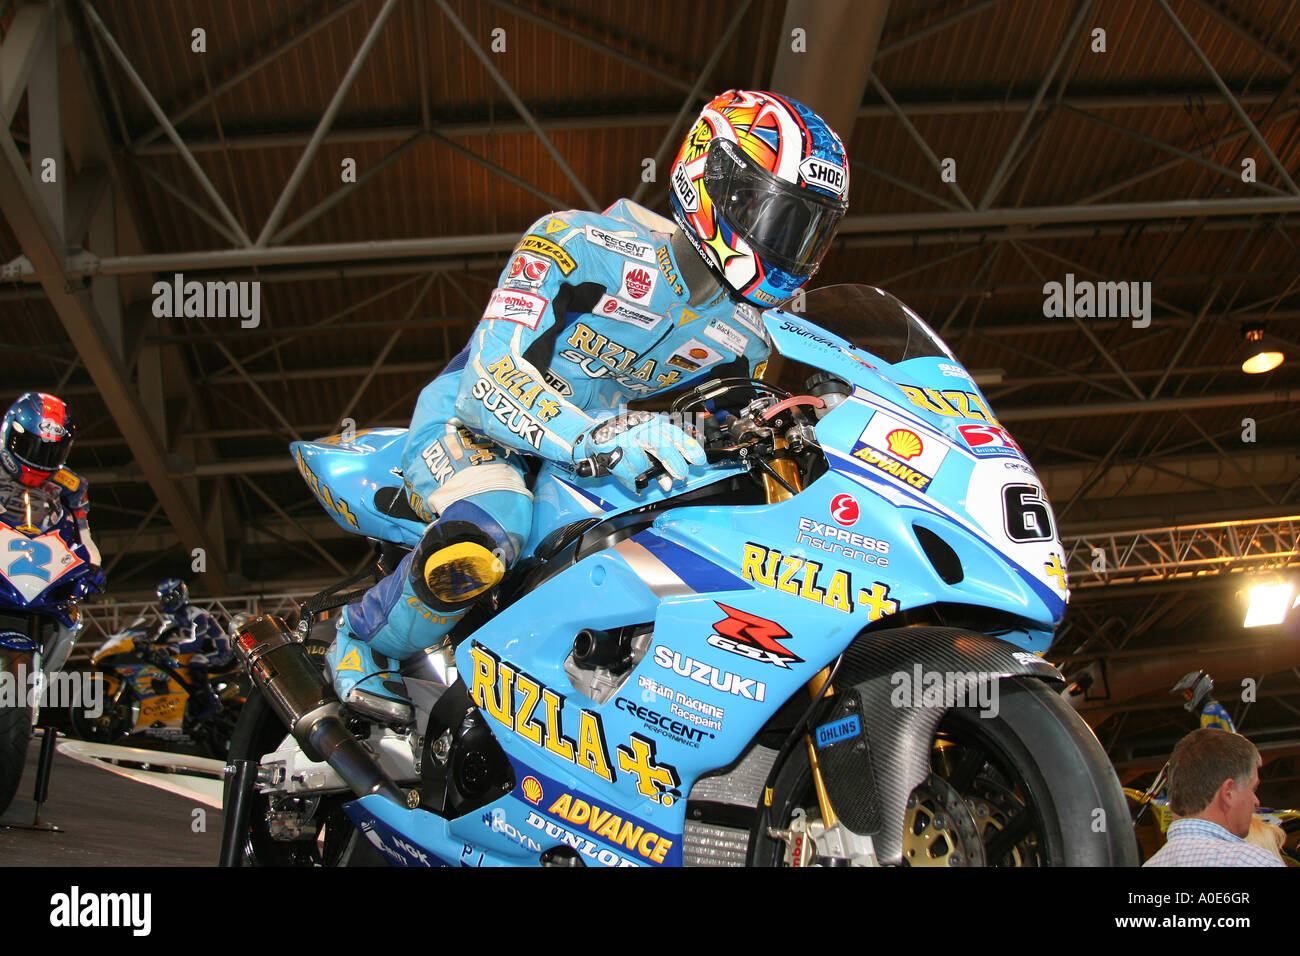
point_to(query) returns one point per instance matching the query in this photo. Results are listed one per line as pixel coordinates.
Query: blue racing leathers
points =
(198, 633)
(590, 313)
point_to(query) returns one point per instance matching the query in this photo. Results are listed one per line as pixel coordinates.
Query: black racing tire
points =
(1046, 769)
(113, 723)
(258, 732)
(15, 732)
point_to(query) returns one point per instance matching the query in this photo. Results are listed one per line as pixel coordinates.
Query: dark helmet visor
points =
(789, 227)
(35, 452)
(170, 599)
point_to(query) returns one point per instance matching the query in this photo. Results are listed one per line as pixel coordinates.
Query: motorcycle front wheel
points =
(15, 731)
(1029, 787)
(114, 721)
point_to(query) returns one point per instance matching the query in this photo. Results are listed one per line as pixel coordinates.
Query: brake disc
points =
(993, 806)
(939, 828)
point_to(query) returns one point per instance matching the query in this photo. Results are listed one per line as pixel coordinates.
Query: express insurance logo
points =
(845, 511)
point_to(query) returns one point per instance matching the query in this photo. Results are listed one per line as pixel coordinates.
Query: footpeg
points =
(383, 709)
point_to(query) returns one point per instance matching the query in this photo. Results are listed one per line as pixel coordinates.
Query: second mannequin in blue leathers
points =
(197, 633)
(594, 310)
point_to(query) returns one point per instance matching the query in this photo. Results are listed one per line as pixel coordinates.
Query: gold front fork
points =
(788, 471)
(815, 687)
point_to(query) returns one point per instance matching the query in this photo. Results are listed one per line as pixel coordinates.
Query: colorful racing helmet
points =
(36, 437)
(172, 595)
(760, 186)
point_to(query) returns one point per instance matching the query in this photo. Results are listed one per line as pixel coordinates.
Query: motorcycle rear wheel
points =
(1029, 787)
(336, 843)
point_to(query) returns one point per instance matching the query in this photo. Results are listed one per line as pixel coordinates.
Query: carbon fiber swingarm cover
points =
(874, 753)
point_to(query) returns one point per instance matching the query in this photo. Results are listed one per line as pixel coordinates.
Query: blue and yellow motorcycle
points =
(144, 690)
(826, 649)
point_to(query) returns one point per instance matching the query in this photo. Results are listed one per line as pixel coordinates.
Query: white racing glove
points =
(629, 445)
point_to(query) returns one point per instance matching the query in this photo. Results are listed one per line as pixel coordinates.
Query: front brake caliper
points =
(809, 843)
(799, 847)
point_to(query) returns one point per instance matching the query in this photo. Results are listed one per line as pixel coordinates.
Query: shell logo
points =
(532, 790)
(905, 444)
(698, 353)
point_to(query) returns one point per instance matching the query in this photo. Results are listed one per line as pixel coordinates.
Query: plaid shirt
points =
(1196, 842)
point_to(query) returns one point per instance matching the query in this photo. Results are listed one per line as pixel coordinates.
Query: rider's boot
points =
(353, 663)
(455, 563)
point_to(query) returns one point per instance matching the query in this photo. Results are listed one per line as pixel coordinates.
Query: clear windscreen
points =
(874, 321)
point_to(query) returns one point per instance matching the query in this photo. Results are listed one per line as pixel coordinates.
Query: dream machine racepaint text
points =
(789, 662)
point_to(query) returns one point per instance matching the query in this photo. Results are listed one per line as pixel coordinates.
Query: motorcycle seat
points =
(393, 502)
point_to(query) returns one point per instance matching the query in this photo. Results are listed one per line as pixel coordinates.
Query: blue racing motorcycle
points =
(44, 571)
(825, 649)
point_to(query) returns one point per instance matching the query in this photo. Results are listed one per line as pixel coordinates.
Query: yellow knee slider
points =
(453, 566)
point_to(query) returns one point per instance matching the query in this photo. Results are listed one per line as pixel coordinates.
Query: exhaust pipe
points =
(296, 690)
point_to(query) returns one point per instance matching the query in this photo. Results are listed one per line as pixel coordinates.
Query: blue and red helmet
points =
(760, 186)
(36, 437)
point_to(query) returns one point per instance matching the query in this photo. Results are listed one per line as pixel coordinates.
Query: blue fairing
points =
(742, 604)
(345, 475)
(45, 571)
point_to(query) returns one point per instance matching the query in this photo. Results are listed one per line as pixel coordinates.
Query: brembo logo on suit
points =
(522, 307)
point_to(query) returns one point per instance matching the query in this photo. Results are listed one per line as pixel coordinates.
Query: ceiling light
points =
(1258, 357)
(1268, 604)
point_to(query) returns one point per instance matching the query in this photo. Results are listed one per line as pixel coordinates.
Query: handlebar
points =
(600, 464)
(158, 655)
(728, 435)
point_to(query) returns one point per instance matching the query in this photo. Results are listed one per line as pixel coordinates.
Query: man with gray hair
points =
(1212, 780)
